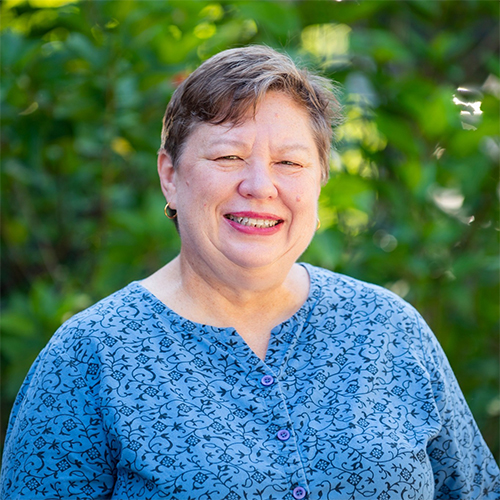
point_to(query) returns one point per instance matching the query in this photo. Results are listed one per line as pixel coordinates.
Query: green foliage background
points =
(411, 205)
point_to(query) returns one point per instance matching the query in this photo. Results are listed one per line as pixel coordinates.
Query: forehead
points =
(277, 116)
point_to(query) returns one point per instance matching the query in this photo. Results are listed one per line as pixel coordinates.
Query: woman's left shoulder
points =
(356, 305)
(348, 290)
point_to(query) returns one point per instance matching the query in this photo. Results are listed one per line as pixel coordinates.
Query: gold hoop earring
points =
(166, 209)
(318, 225)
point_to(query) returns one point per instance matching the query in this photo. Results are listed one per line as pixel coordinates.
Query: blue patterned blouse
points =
(355, 400)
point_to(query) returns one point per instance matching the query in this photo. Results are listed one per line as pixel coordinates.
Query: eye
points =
(229, 158)
(289, 163)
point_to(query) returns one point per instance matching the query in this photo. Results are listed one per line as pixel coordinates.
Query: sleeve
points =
(464, 468)
(56, 445)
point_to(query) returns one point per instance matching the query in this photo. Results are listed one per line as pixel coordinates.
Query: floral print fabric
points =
(355, 400)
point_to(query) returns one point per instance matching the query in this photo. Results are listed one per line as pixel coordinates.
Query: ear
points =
(167, 176)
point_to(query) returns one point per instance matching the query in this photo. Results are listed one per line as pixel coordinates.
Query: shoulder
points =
(93, 339)
(355, 305)
(360, 315)
(345, 289)
(120, 314)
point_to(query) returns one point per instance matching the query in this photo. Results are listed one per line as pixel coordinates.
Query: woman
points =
(234, 372)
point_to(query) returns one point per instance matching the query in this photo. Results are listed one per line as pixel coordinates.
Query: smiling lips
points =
(253, 222)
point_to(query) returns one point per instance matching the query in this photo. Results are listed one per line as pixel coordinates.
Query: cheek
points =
(202, 193)
(195, 188)
(307, 195)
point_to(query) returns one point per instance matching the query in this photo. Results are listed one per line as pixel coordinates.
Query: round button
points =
(299, 493)
(283, 435)
(267, 380)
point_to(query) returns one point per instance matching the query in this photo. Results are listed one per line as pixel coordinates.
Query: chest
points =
(212, 420)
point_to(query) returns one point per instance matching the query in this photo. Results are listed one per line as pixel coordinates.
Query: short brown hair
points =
(231, 82)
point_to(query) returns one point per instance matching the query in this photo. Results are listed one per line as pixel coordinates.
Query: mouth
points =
(254, 222)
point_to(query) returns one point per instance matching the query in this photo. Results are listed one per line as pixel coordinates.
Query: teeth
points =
(248, 221)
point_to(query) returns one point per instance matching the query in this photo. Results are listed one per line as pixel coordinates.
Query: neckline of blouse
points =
(302, 312)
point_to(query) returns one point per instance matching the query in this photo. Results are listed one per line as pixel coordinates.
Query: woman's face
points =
(247, 195)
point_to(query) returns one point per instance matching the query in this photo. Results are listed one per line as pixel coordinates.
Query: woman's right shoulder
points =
(112, 316)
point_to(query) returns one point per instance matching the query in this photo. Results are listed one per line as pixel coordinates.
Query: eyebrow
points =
(227, 142)
(293, 147)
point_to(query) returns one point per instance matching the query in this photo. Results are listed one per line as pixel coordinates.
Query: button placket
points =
(284, 435)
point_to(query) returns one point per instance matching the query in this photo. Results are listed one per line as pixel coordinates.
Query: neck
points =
(251, 301)
(240, 286)
(238, 296)
(237, 292)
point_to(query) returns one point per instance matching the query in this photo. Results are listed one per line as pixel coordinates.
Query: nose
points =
(258, 182)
